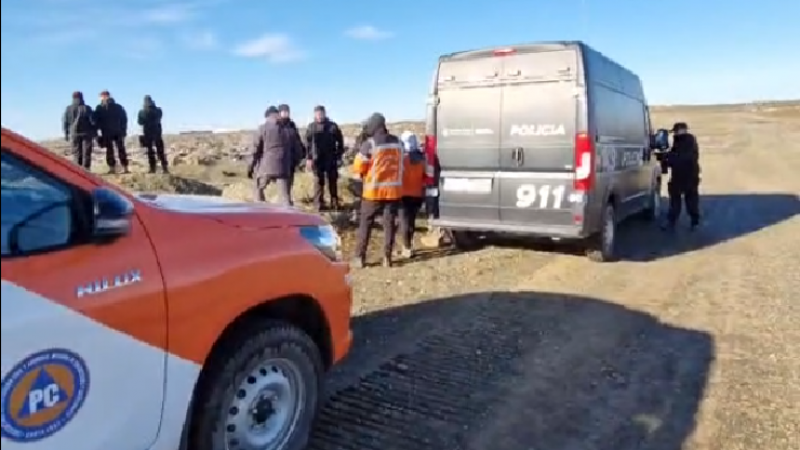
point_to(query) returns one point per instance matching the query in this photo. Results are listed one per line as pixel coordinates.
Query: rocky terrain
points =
(690, 342)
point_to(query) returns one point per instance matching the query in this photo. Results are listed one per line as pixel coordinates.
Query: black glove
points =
(250, 171)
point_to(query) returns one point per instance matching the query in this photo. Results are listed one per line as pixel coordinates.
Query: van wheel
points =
(653, 210)
(602, 247)
(261, 391)
(465, 241)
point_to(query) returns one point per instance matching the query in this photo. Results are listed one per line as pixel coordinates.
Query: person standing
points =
(379, 162)
(325, 144)
(150, 117)
(290, 129)
(413, 191)
(80, 129)
(112, 123)
(272, 158)
(683, 161)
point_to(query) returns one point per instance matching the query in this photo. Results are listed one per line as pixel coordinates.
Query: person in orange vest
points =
(379, 162)
(413, 190)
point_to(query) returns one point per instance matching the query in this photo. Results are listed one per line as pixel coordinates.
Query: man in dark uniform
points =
(112, 122)
(325, 144)
(80, 129)
(683, 161)
(152, 134)
(290, 129)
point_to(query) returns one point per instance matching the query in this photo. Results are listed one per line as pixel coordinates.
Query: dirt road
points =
(692, 341)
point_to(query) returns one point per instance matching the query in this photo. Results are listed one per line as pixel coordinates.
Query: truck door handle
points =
(518, 155)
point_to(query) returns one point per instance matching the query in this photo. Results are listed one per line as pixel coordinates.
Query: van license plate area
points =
(468, 185)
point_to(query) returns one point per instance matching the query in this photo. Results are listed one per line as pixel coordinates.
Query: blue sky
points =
(220, 63)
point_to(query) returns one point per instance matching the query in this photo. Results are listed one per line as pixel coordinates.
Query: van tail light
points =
(429, 148)
(584, 162)
(430, 144)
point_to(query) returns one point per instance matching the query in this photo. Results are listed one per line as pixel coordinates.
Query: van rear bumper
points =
(570, 232)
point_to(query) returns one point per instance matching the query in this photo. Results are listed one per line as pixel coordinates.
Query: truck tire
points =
(465, 241)
(261, 392)
(602, 246)
(653, 210)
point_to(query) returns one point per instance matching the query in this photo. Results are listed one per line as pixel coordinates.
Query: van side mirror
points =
(660, 140)
(112, 214)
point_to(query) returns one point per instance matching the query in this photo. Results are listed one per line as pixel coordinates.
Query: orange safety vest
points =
(382, 171)
(413, 175)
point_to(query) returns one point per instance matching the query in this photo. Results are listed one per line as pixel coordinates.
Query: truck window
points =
(37, 209)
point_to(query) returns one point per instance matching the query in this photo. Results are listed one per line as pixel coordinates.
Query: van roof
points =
(531, 47)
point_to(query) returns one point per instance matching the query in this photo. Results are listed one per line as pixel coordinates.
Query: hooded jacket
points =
(150, 119)
(78, 119)
(274, 149)
(380, 162)
(111, 119)
(413, 166)
(684, 159)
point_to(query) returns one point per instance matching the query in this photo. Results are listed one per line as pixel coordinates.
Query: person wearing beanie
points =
(112, 123)
(379, 163)
(325, 148)
(79, 127)
(150, 117)
(293, 135)
(271, 161)
(413, 190)
(683, 162)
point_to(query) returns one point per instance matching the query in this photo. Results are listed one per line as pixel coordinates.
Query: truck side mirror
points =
(660, 140)
(111, 214)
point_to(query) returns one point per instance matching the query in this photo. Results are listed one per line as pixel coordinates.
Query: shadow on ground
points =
(515, 371)
(725, 217)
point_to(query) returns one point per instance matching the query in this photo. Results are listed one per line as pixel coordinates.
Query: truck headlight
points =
(325, 239)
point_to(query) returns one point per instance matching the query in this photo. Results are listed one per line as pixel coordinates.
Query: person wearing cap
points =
(293, 134)
(683, 162)
(152, 133)
(272, 158)
(112, 123)
(413, 190)
(325, 144)
(379, 163)
(78, 122)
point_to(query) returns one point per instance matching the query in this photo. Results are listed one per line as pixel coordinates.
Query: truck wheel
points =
(262, 393)
(602, 247)
(653, 210)
(465, 241)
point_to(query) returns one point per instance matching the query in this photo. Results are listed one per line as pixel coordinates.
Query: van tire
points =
(464, 241)
(602, 246)
(261, 351)
(653, 210)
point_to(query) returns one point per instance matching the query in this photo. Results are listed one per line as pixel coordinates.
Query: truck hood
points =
(233, 212)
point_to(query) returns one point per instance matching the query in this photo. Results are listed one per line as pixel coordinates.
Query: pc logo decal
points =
(42, 393)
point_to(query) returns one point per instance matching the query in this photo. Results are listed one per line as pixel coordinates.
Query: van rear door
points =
(468, 139)
(540, 116)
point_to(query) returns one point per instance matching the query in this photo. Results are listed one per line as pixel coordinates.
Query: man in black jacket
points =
(152, 134)
(325, 144)
(290, 130)
(79, 129)
(112, 122)
(683, 162)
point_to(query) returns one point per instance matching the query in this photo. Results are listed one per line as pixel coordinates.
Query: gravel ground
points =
(690, 342)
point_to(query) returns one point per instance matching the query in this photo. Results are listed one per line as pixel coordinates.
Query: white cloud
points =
(168, 14)
(368, 33)
(276, 48)
(204, 40)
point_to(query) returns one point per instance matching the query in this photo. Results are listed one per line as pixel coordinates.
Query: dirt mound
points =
(162, 183)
